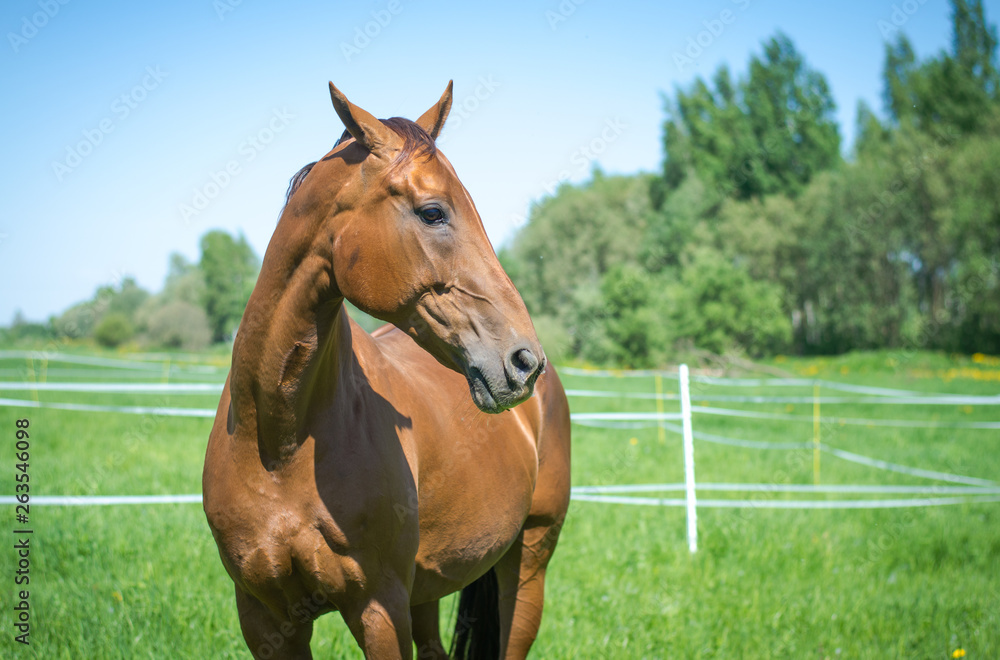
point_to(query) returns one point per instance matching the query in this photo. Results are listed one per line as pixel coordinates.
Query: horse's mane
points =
(415, 140)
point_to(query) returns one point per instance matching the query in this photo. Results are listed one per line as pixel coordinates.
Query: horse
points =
(374, 474)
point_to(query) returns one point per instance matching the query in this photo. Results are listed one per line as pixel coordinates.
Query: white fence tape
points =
(809, 382)
(113, 363)
(624, 416)
(850, 421)
(943, 400)
(105, 500)
(791, 488)
(591, 494)
(748, 382)
(644, 421)
(788, 504)
(128, 410)
(152, 375)
(130, 388)
(839, 453)
(635, 420)
(618, 373)
(903, 469)
(975, 490)
(735, 442)
(614, 425)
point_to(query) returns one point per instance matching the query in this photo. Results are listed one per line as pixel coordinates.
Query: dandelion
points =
(117, 596)
(958, 653)
(990, 360)
(633, 441)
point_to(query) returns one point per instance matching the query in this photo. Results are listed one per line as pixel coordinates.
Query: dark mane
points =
(415, 141)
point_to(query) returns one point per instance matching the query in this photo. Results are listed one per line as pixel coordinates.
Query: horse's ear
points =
(432, 121)
(366, 129)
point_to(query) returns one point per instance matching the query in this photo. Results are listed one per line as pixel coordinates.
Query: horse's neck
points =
(293, 347)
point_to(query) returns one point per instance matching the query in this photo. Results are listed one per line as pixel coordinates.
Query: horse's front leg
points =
(380, 622)
(268, 636)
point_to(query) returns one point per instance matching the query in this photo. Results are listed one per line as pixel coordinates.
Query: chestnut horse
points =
(354, 472)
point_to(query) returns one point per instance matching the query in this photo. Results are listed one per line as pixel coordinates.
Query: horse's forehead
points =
(433, 174)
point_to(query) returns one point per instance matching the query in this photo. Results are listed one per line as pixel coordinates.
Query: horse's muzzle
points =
(495, 390)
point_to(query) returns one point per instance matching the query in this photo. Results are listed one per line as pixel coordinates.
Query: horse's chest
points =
(474, 493)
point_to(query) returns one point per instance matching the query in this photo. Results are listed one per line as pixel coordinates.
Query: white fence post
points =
(692, 511)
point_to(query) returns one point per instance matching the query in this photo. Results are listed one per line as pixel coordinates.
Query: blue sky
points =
(122, 119)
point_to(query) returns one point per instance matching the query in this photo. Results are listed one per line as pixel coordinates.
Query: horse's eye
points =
(432, 215)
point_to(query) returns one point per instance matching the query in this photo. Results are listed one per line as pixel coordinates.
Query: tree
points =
(21, 329)
(869, 130)
(185, 281)
(229, 268)
(790, 109)
(127, 298)
(575, 236)
(957, 89)
(974, 43)
(684, 217)
(769, 133)
(83, 319)
(899, 89)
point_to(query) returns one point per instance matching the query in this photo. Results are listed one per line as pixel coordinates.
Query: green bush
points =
(719, 307)
(113, 330)
(623, 320)
(178, 324)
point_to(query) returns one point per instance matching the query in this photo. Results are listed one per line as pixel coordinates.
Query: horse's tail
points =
(477, 629)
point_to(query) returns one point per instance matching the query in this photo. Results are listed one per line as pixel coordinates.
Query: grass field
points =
(145, 581)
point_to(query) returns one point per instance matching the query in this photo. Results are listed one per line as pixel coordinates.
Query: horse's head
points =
(409, 248)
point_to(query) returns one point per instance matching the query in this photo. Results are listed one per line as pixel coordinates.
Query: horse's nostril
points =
(525, 362)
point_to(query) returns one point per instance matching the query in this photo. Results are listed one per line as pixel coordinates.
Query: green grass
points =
(146, 581)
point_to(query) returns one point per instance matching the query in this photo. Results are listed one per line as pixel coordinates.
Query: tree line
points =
(201, 303)
(758, 237)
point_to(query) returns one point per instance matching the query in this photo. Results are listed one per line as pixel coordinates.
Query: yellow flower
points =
(958, 653)
(117, 596)
(633, 441)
